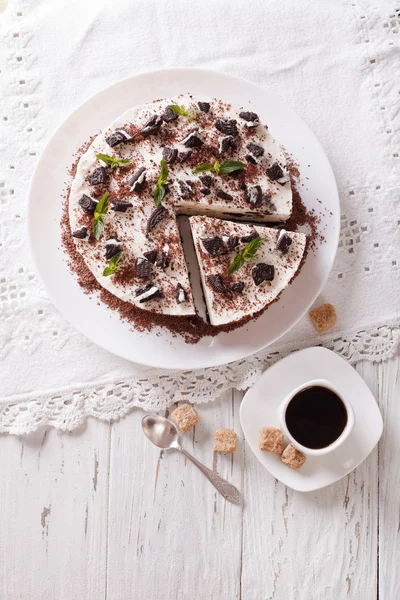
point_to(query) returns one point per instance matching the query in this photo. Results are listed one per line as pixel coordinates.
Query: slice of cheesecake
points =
(235, 295)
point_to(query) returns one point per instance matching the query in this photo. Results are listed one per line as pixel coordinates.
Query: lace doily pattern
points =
(66, 409)
(33, 333)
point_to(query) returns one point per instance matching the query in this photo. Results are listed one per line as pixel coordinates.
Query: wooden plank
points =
(321, 545)
(170, 534)
(53, 506)
(389, 480)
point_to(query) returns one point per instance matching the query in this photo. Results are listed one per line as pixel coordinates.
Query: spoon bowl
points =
(161, 431)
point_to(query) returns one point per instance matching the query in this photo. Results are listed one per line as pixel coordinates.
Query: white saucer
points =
(159, 348)
(260, 408)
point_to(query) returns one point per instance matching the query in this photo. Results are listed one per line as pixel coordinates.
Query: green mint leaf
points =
(159, 191)
(179, 110)
(101, 206)
(98, 227)
(217, 165)
(122, 162)
(229, 166)
(159, 194)
(113, 161)
(113, 265)
(203, 167)
(250, 250)
(190, 113)
(108, 160)
(163, 177)
(237, 262)
(248, 253)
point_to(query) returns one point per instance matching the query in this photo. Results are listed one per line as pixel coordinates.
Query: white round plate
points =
(160, 348)
(260, 408)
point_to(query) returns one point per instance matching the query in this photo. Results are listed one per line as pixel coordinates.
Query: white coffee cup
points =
(335, 444)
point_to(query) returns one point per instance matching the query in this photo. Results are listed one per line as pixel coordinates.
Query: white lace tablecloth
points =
(337, 63)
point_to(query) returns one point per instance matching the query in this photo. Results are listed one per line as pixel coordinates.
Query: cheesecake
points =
(181, 156)
(243, 268)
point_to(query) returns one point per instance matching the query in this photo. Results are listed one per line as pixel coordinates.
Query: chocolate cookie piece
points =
(270, 206)
(227, 126)
(249, 238)
(151, 256)
(284, 241)
(148, 292)
(250, 159)
(204, 106)
(112, 247)
(162, 260)
(81, 234)
(156, 216)
(216, 282)
(232, 242)
(237, 287)
(223, 195)
(121, 205)
(138, 180)
(226, 143)
(253, 195)
(151, 126)
(87, 204)
(249, 116)
(182, 156)
(97, 177)
(206, 180)
(119, 136)
(262, 272)
(205, 191)
(143, 268)
(170, 155)
(180, 294)
(255, 149)
(214, 245)
(169, 115)
(193, 139)
(184, 188)
(275, 172)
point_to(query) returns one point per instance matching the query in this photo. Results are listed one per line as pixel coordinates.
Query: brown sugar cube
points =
(271, 440)
(225, 440)
(323, 317)
(185, 417)
(292, 457)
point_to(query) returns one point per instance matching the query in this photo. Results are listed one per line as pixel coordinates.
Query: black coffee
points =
(316, 417)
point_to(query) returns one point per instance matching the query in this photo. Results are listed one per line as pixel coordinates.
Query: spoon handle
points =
(228, 491)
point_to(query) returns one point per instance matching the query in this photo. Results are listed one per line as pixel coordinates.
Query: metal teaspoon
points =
(164, 434)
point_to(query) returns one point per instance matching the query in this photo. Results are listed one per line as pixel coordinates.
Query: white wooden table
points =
(102, 514)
